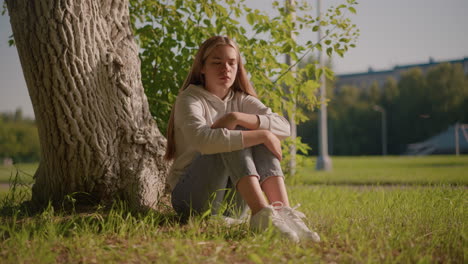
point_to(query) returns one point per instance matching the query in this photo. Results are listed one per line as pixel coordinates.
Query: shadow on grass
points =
(78, 211)
(76, 219)
(77, 205)
(117, 219)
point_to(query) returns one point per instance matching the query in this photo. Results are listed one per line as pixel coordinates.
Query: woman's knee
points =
(266, 162)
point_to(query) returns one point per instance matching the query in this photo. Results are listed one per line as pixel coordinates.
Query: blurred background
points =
(402, 91)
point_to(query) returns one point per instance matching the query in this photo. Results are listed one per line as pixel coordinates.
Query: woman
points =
(226, 146)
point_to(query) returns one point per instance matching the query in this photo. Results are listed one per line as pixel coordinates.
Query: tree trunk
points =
(82, 70)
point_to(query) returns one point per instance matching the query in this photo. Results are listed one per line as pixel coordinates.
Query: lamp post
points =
(323, 160)
(384, 128)
(457, 141)
(291, 5)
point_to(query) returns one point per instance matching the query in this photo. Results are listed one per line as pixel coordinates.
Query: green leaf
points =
(286, 48)
(340, 52)
(352, 10)
(329, 51)
(318, 73)
(319, 46)
(208, 11)
(219, 27)
(329, 73)
(251, 18)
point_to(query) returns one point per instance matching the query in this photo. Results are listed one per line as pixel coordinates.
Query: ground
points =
(368, 209)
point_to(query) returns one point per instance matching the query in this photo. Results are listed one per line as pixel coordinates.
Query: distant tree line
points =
(418, 106)
(19, 139)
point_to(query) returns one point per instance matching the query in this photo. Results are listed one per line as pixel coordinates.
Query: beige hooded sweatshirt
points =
(196, 109)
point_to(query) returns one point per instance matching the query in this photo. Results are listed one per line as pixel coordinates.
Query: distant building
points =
(366, 79)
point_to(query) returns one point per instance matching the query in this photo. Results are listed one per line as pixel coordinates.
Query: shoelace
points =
(297, 213)
(279, 205)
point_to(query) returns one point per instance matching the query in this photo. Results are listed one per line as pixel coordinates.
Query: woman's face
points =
(220, 68)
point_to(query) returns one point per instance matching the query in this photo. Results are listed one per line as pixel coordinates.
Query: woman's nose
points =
(225, 67)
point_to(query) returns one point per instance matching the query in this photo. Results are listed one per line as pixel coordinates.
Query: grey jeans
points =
(208, 185)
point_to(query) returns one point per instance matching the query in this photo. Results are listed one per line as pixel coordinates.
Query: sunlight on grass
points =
(389, 170)
(26, 170)
(374, 225)
(357, 224)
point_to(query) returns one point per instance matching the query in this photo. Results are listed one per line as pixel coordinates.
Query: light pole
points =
(291, 5)
(323, 160)
(457, 141)
(384, 128)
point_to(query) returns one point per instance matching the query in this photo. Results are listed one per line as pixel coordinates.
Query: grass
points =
(357, 224)
(26, 172)
(390, 170)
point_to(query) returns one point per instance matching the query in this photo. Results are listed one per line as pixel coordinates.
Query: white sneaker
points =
(269, 217)
(230, 221)
(294, 219)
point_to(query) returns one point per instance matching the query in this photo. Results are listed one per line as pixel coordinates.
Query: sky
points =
(392, 32)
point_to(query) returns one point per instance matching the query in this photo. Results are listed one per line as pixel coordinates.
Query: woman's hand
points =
(273, 143)
(228, 121)
(256, 137)
(233, 119)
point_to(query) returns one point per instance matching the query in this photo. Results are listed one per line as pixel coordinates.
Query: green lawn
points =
(24, 170)
(350, 170)
(412, 222)
(375, 170)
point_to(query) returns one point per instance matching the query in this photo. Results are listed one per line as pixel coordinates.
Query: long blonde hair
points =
(241, 82)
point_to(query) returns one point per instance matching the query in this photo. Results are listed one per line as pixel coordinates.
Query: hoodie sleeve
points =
(190, 119)
(273, 122)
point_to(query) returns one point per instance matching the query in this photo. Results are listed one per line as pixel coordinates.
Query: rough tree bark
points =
(82, 70)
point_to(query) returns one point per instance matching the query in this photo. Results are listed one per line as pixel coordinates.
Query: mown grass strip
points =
(391, 170)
